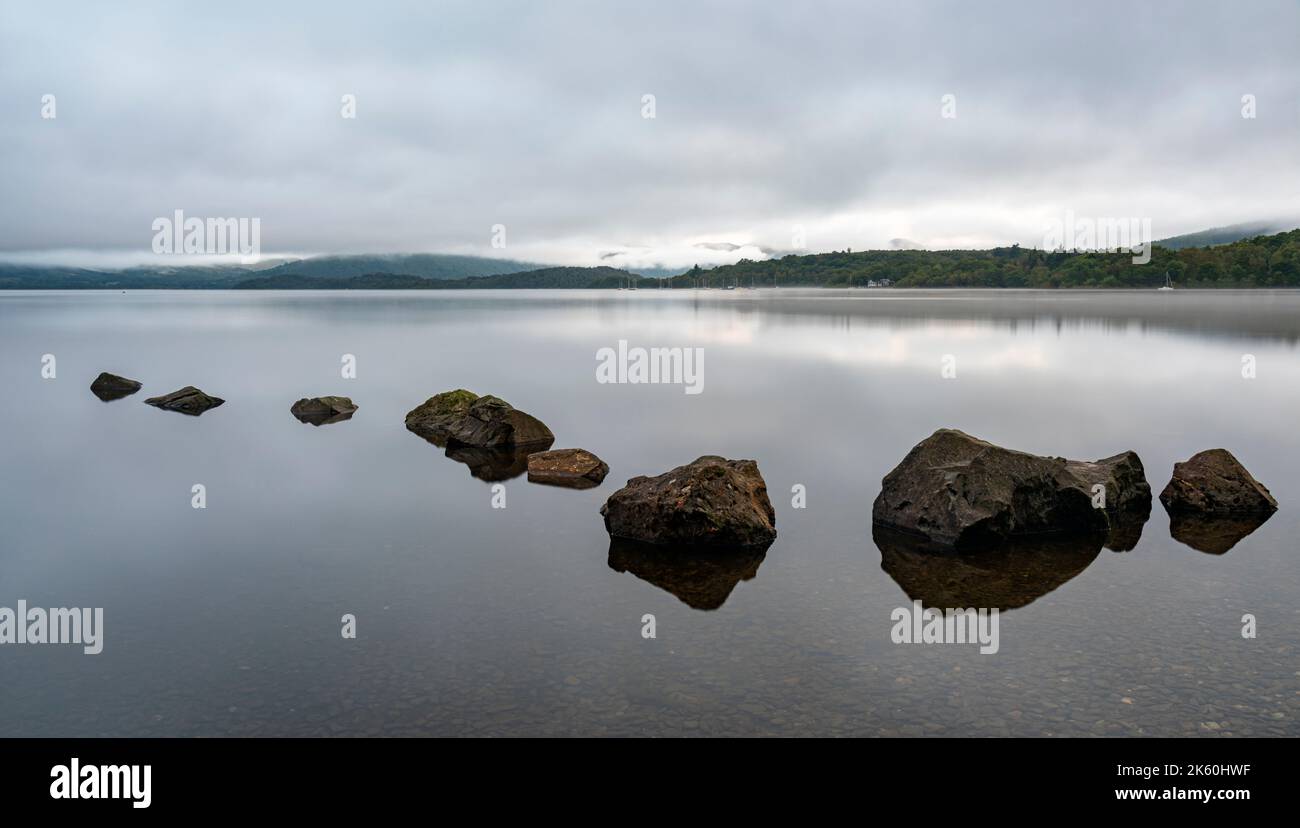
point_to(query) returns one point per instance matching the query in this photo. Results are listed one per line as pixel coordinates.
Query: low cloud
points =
(822, 119)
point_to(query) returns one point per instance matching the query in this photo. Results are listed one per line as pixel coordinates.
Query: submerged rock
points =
(702, 579)
(321, 410)
(188, 400)
(573, 468)
(1214, 483)
(484, 422)
(1008, 575)
(959, 491)
(109, 387)
(710, 502)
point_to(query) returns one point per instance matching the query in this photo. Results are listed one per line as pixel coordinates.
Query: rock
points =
(962, 492)
(1213, 482)
(465, 418)
(574, 468)
(1125, 480)
(1213, 534)
(1128, 495)
(459, 421)
(491, 422)
(1213, 502)
(109, 387)
(188, 400)
(711, 502)
(1010, 576)
(702, 579)
(434, 419)
(321, 410)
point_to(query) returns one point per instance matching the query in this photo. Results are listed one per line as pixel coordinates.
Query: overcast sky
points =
(767, 116)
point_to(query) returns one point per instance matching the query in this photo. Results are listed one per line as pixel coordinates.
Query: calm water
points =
(480, 621)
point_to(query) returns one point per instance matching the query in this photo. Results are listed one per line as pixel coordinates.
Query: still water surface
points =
(480, 621)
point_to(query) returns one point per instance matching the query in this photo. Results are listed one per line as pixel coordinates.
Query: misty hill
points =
(41, 277)
(548, 277)
(1256, 261)
(425, 265)
(1226, 235)
(197, 277)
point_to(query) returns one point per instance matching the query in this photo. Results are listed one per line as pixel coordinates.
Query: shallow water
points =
(480, 621)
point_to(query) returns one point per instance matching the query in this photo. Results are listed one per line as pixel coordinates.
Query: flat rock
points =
(1213, 482)
(463, 417)
(109, 387)
(188, 400)
(321, 410)
(574, 468)
(958, 491)
(712, 502)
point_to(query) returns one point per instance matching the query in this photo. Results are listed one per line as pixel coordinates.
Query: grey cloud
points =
(727, 246)
(821, 115)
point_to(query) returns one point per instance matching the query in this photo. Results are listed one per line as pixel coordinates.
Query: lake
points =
(475, 621)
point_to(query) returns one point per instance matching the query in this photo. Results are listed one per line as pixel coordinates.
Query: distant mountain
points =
(655, 272)
(41, 277)
(199, 277)
(1237, 256)
(1227, 235)
(368, 281)
(425, 265)
(547, 277)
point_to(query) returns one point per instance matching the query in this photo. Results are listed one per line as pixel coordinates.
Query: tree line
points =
(1263, 261)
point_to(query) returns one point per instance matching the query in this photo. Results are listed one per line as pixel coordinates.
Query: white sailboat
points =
(1168, 285)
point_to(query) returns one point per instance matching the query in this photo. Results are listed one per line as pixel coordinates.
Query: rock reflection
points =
(1009, 576)
(1126, 527)
(320, 418)
(495, 464)
(111, 394)
(702, 579)
(1213, 534)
